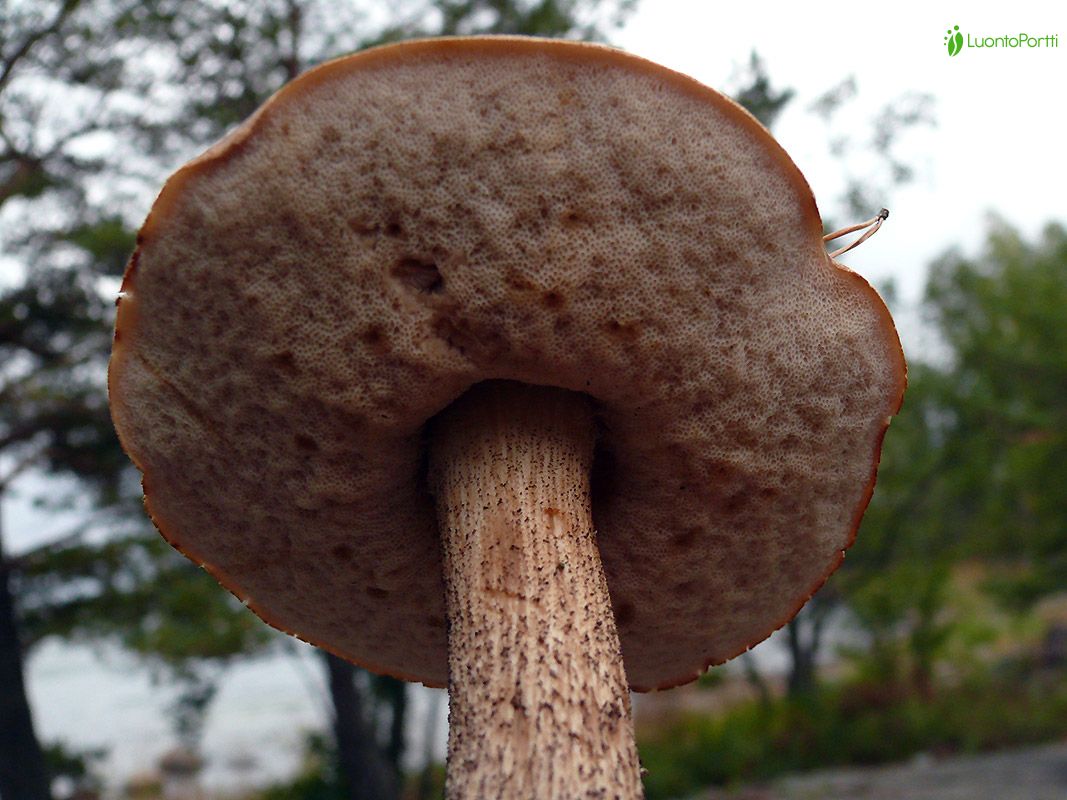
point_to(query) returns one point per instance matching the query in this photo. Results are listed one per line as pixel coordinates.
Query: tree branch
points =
(21, 466)
(59, 543)
(7, 67)
(295, 20)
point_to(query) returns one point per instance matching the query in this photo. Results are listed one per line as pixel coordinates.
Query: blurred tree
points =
(53, 322)
(364, 768)
(22, 762)
(55, 337)
(754, 91)
(1003, 319)
(145, 83)
(875, 149)
(975, 464)
(895, 577)
(53, 416)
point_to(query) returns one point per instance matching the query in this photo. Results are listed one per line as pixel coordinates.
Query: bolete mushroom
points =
(538, 327)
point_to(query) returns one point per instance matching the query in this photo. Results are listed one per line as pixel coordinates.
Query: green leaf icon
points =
(954, 40)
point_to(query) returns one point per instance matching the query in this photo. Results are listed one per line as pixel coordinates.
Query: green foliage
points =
(53, 412)
(894, 579)
(136, 591)
(1003, 317)
(865, 721)
(139, 591)
(973, 467)
(575, 19)
(756, 93)
(317, 779)
(711, 679)
(106, 242)
(73, 772)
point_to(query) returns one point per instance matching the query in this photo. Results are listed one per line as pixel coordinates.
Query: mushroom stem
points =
(539, 702)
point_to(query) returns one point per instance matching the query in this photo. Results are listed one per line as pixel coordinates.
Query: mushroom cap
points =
(396, 226)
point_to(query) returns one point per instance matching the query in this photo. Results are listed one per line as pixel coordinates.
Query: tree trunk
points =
(23, 775)
(362, 768)
(397, 696)
(805, 633)
(756, 680)
(801, 678)
(426, 778)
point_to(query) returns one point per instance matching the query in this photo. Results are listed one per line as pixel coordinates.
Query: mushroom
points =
(500, 362)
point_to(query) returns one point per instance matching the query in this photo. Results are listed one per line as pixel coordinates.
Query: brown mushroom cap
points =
(396, 226)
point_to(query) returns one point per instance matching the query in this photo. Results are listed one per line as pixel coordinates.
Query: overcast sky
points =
(999, 145)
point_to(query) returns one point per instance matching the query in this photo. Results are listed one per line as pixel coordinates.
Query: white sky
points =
(1002, 117)
(999, 146)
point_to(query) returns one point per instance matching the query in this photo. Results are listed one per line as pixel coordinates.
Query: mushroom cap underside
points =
(396, 226)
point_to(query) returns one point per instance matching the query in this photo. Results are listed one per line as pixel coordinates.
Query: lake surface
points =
(255, 728)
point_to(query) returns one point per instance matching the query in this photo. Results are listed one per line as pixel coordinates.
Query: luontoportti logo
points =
(955, 41)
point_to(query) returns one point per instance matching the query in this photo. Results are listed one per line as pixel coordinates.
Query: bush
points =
(855, 723)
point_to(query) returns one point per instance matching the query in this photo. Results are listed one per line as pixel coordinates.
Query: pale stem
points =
(539, 705)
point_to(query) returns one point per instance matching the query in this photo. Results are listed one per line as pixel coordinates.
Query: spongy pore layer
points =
(399, 225)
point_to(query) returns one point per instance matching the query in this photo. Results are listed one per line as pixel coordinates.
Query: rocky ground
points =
(1036, 773)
